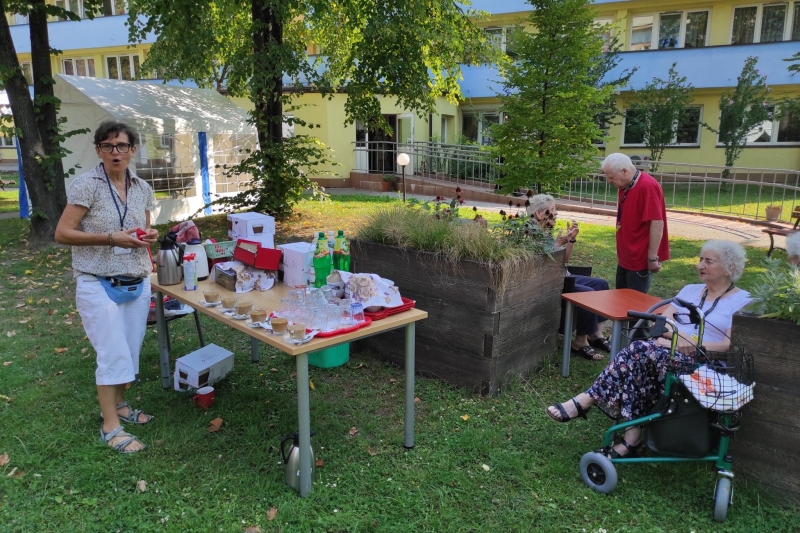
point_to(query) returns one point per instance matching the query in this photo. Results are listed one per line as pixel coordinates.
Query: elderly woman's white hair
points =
(539, 202)
(730, 253)
(793, 247)
(617, 162)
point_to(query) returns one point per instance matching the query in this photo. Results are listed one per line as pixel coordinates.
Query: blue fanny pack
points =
(122, 289)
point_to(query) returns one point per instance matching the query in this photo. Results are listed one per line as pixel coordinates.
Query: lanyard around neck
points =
(627, 190)
(703, 300)
(121, 214)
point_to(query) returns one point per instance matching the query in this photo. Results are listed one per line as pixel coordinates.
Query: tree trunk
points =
(47, 195)
(267, 37)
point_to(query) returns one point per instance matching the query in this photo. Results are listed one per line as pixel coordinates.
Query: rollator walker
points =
(697, 415)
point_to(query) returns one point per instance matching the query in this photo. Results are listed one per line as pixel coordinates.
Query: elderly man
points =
(642, 241)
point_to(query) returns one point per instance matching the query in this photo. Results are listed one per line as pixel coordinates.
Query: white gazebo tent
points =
(186, 133)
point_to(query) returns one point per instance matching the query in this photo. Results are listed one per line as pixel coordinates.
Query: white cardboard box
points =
(247, 224)
(297, 255)
(202, 367)
(293, 277)
(267, 240)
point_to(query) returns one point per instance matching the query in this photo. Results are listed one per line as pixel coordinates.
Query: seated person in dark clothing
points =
(587, 331)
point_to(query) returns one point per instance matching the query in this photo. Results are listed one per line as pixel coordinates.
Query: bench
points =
(782, 231)
(7, 183)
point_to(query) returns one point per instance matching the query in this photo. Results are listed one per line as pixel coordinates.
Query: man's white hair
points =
(617, 162)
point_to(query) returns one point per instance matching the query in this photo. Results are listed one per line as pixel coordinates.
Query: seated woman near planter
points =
(631, 384)
(587, 331)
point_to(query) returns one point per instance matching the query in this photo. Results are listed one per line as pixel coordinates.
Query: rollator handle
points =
(643, 316)
(695, 315)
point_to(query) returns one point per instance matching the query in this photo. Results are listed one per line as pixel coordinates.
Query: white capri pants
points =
(116, 331)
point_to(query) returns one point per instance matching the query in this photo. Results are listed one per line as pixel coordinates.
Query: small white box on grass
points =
(202, 367)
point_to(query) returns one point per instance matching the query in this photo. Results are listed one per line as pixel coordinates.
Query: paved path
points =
(680, 224)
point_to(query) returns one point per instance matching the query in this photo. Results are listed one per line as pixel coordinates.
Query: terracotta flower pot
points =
(386, 185)
(773, 213)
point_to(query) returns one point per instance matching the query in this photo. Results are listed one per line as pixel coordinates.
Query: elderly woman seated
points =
(629, 387)
(587, 331)
(793, 249)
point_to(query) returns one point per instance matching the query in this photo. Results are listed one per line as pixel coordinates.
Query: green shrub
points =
(777, 292)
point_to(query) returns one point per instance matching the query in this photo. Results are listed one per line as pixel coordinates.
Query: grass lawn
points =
(480, 464)
(9, 202)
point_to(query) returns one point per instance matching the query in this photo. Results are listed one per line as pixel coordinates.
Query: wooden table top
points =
(613, 304)
(270, 300)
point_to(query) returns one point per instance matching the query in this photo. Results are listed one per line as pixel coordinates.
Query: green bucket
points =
(330, 357)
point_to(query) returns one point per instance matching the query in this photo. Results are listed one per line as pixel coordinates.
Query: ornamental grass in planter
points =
(492, 294)
(767, 443)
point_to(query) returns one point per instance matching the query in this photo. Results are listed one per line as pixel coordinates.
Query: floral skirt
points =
(632, 383)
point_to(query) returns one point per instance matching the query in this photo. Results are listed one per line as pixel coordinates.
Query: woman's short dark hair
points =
(112, 128)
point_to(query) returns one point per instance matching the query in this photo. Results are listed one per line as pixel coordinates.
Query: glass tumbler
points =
(345, 313)
(332, 317)
(357, 312)
(287, 309)
(298, 294)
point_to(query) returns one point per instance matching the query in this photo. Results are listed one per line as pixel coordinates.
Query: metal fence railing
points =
(742, 192)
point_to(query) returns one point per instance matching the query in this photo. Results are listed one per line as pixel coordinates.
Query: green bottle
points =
(341, 253)
(322, 261)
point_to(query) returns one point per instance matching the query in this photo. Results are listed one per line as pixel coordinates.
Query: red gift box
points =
(251, 253)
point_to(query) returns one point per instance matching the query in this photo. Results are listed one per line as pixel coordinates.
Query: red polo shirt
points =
(643, 203)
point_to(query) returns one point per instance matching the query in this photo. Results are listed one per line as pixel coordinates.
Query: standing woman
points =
(106, 207)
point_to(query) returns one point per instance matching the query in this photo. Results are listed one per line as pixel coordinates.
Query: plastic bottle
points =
(341, 253)
(322, 261)
(189, 272)
(331, 242)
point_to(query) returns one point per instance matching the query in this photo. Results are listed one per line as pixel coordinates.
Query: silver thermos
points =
(292, 460)
(168, 261)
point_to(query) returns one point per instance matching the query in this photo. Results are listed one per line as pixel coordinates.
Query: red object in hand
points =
(139, 233)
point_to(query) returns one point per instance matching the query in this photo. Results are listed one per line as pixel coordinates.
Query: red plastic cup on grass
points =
(204, 397)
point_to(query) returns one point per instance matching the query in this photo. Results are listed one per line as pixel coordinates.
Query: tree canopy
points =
(410, 50)
(551, 95)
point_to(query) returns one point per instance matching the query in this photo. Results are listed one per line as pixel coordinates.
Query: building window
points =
(766, 23)
(686, 131)
(287, 129)
(605, 25)
(76, 6)
(123, 67)
(502, 38)
(476, 126)
(27, 71)
(18, 19)
(776, 130)
(78, 67)
(679, 29)
(7, 142)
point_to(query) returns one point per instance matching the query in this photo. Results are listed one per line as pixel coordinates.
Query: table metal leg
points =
(568, 312)
(304, 423)
(408, 437)
(163, 341)
(616, 338)
(254, 349)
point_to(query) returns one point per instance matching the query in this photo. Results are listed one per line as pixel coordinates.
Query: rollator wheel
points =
(598, 472)
(722, 498)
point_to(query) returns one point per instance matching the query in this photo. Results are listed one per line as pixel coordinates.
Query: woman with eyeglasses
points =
(542, 208)
(632, 383)
(107, 223)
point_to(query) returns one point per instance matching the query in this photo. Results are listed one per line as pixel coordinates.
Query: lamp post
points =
(403, 160)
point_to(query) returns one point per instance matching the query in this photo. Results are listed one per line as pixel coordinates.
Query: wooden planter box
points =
(765, 447)
(477, 335)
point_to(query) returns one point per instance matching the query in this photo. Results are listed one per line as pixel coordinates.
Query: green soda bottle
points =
(341, 253)
(322, 261)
